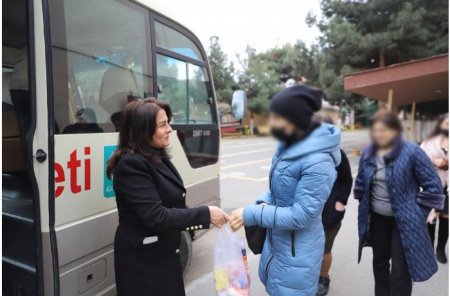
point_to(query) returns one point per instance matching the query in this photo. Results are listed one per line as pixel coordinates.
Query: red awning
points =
(414, 81)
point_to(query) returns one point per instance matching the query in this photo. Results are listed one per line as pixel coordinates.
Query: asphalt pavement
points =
(245, 164)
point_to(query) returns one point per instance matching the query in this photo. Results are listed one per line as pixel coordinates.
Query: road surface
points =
(245, 164)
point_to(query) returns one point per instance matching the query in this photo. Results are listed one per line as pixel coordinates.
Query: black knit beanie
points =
(297, 104)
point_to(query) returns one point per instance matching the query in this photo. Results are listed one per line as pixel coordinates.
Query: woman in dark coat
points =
(393, 210)
(436, 147)
(333, 211)
(151, 203)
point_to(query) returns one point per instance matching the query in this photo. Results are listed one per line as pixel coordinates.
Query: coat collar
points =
(369, 156)
(165, 166)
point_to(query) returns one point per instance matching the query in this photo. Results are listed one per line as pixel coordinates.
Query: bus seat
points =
(12, 156)
(117, 84)
(86, 123)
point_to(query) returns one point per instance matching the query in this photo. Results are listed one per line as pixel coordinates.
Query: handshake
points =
(218, 217)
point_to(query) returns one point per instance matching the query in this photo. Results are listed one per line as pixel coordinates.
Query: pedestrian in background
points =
(151, 202)
(436, 147)
(301, 178)
(393, 210)
(334, 211)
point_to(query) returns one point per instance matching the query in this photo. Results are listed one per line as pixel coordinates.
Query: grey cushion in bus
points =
(117, 84)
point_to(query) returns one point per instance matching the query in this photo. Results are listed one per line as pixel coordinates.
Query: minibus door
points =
(24, 158)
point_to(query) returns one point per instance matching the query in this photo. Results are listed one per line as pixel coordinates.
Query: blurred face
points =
(161, 138)
(282, 129)
(382, 135)
(280, 123)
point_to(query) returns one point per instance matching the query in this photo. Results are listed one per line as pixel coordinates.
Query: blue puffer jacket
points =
(301, 179)
(408, 169)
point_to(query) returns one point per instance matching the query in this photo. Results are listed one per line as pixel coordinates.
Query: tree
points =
(264, 73)
(222, 71)
(359, 34)
(259, 80)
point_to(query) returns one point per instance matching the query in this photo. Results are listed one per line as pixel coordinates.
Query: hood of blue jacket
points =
(324, 139)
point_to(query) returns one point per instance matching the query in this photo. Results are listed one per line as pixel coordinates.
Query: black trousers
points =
(387, 246)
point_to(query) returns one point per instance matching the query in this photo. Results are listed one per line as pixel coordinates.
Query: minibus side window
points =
(101, 58)
(185, 87)
(172, 40)
(183, 82)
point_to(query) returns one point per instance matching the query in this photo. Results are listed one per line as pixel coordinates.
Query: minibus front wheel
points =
(185, 251)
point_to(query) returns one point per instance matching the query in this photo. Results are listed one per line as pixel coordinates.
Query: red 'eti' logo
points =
(72, 165)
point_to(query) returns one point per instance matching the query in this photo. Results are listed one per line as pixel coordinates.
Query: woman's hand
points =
(218, 217)
(340, 207)
(237, 219)
(432, 217)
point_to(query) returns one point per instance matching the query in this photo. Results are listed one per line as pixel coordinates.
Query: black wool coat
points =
(152, 213)
(341, 191)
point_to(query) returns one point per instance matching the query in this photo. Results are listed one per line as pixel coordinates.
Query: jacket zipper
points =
(292, 231)
(267, 266)
(271, 192)
(274, 203)
(293, 243)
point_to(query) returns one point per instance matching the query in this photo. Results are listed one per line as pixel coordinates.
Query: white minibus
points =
(69, 67)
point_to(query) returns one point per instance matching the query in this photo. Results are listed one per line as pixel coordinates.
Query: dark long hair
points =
(389, 119)
(137, 127)
(437, 128)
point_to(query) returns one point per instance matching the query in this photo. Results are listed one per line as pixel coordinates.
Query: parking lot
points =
(245, 164)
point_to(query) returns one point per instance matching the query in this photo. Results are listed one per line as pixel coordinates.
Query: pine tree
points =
(364, 34)
(222, 71)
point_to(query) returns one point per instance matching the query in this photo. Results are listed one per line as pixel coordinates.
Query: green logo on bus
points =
(108, 190)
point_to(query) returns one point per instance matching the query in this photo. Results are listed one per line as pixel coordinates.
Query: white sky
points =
(262, 24)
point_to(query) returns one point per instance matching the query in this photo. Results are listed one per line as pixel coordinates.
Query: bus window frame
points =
(156, 17)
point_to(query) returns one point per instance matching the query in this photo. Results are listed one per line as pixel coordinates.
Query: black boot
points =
(442, 240)
(324, 285)
(432, 231)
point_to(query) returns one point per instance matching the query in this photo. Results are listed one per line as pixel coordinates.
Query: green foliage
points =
(264, 73)
(367, 34)
(222, 71)
(356, 35)
(259, 105)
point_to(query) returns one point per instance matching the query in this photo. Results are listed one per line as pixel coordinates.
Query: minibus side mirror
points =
(239, 104)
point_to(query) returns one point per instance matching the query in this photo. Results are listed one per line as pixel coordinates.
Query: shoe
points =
(324, 284)
(440, 256)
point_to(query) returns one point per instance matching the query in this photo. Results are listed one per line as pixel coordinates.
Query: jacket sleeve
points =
(358, 190)
(266, 197)
(139, 192)
(311, 193)
(432, 195)
(344, 180)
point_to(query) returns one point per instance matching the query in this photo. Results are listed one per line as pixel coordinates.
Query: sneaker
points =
(440, 256)
(324, 284)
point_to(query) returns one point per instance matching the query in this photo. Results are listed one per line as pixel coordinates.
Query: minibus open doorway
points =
(20, 201)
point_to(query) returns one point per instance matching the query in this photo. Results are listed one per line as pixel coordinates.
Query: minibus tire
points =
(185, 251)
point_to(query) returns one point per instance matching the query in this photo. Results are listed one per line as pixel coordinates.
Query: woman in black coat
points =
(333, 211)
(151, 203)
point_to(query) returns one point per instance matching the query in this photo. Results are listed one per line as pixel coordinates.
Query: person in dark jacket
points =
(436, 147)
(333, 211)
(151, 203)
(393, 209)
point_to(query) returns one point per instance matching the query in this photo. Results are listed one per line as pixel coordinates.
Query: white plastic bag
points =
(231, 275)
